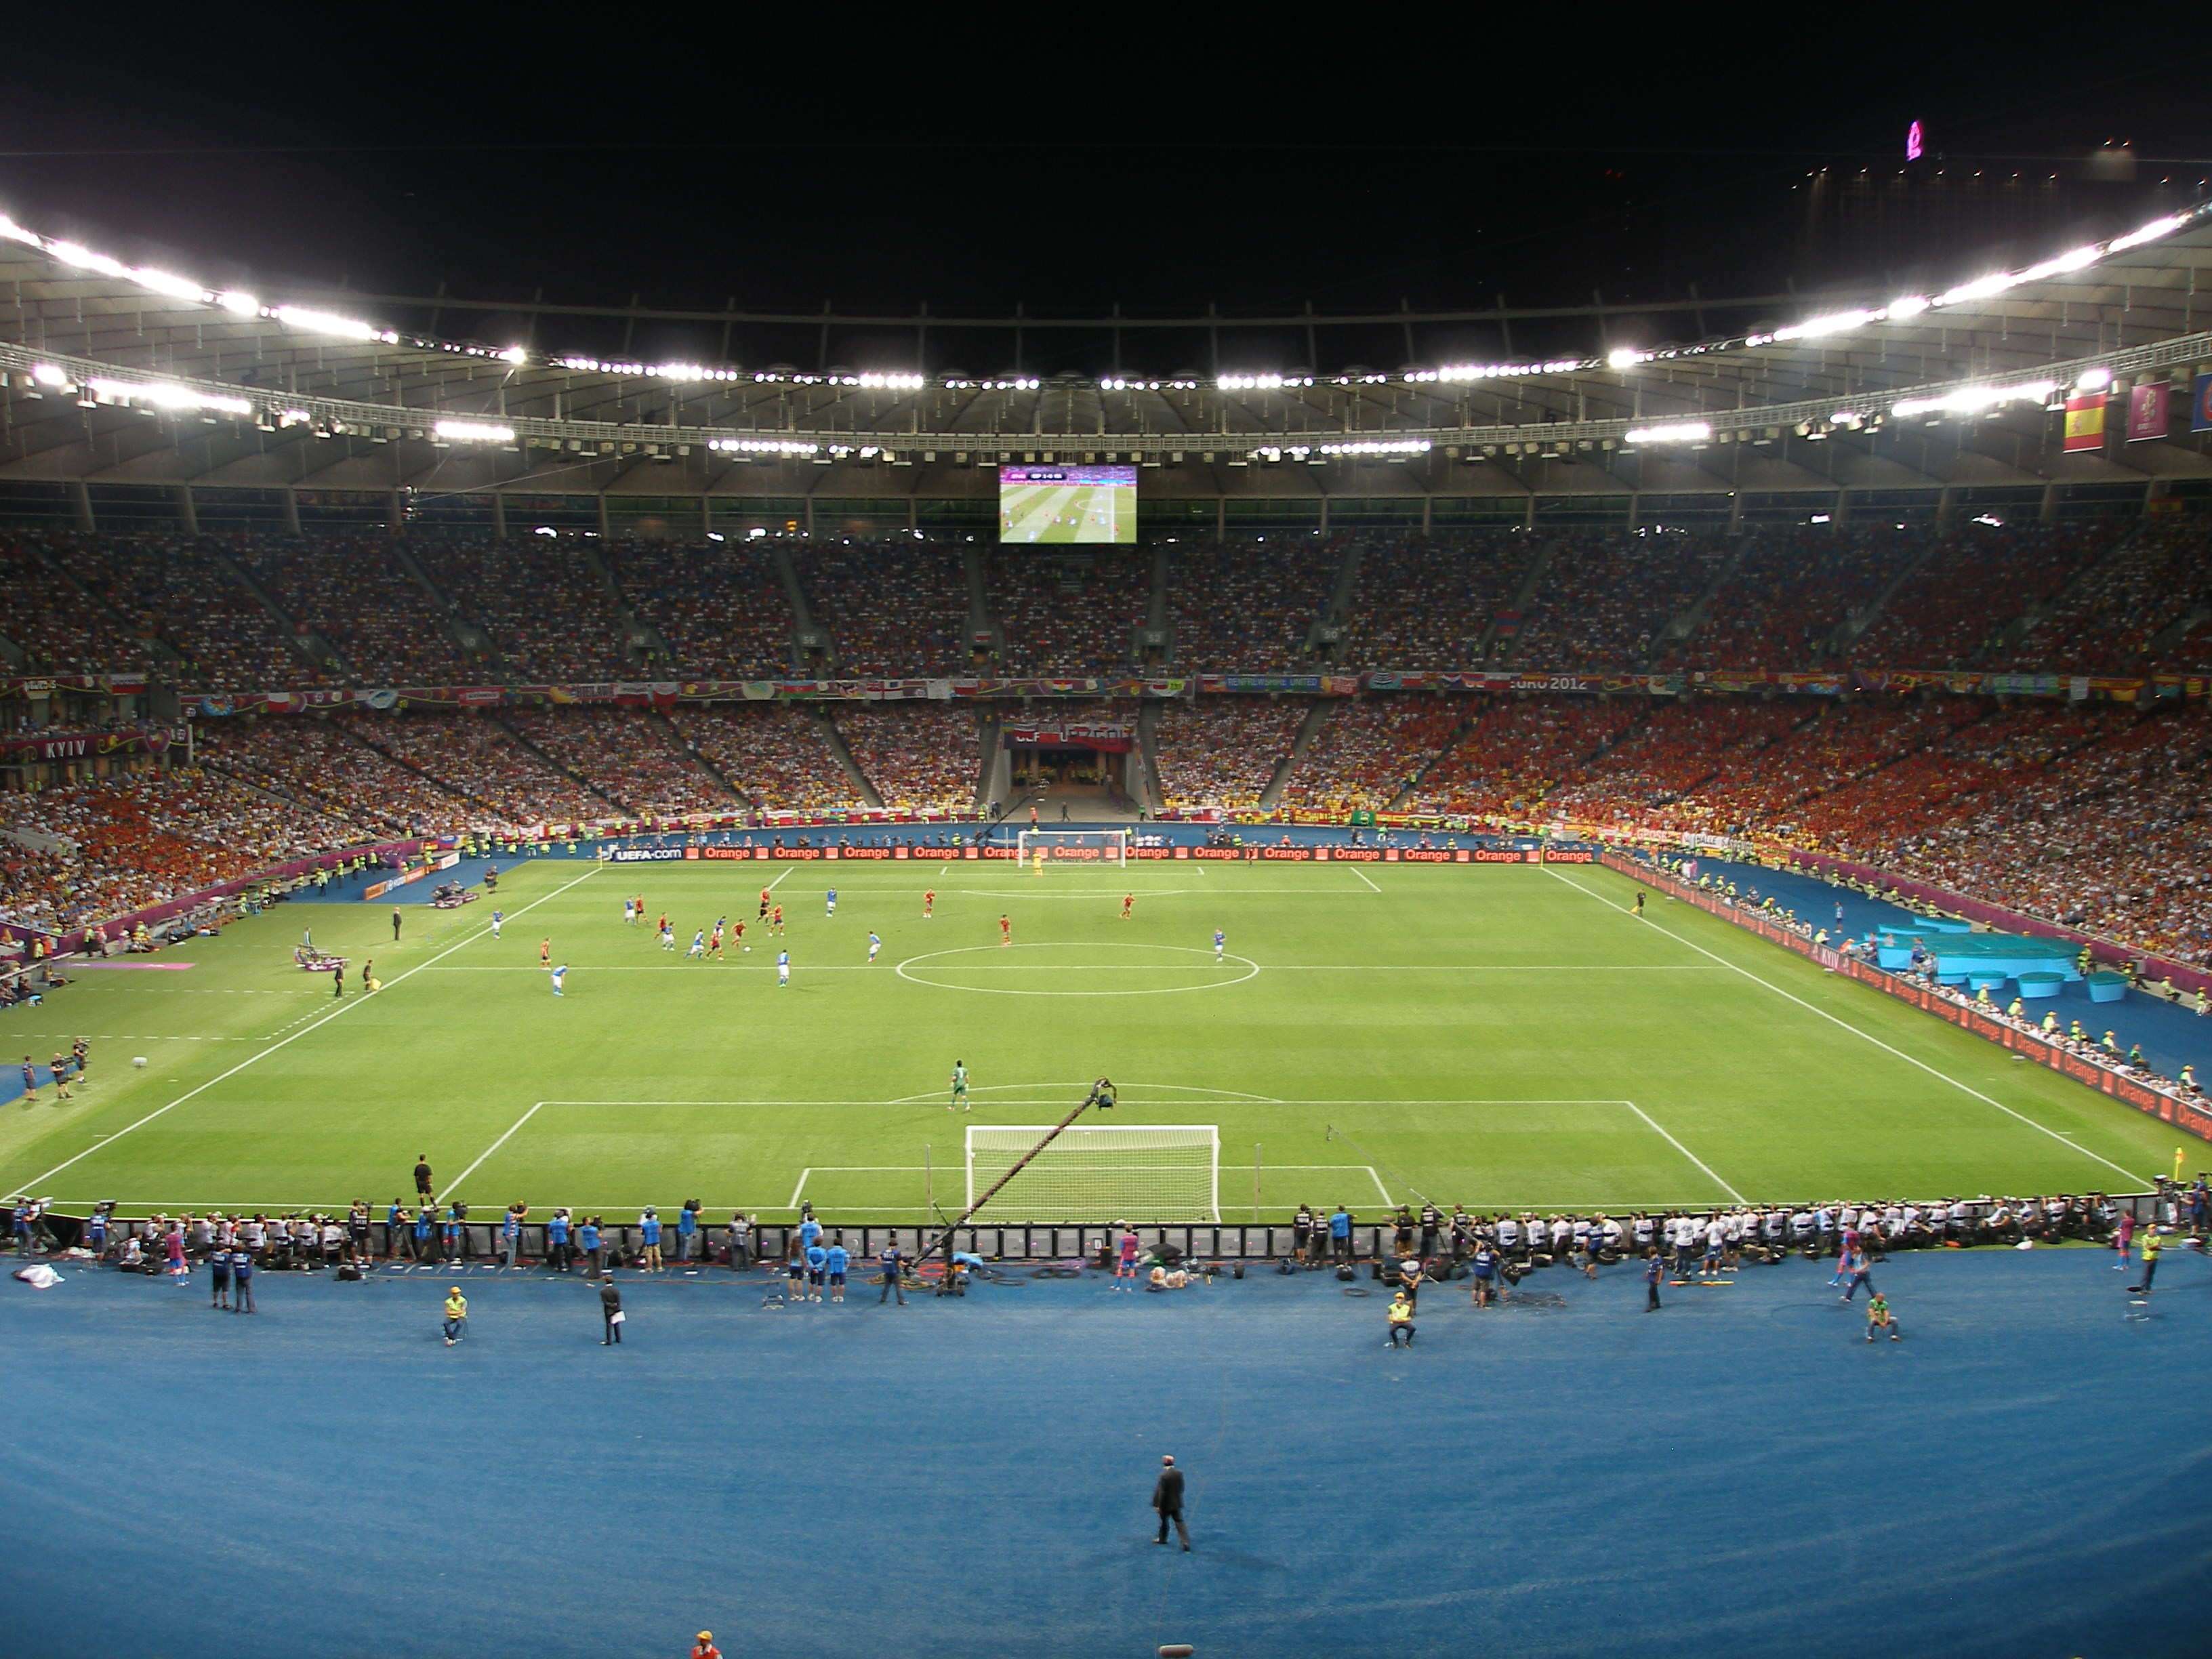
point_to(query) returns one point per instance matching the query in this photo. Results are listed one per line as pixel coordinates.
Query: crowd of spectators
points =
(1069, 612)
(1975, 582)
(173, 587)
(1224, 751)
(543, 601)
(1423, 603)
(142, 840)
(890, 608)
(1246, 607)
(1643, 779)
(1514, 755)
(321, 764)
(357, 595)
(772, 753)
(1604, 600)
(52, 624)
(1369, 751)
(720, 605)
(1779, 609)
(918, 754)
(2104, 623)
(627, 755)
(479, 757)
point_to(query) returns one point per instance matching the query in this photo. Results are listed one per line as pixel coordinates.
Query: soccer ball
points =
(140, 1062)
(749, 950)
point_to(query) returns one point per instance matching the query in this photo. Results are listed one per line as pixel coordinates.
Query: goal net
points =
(1152, 1172)
(1040, 847)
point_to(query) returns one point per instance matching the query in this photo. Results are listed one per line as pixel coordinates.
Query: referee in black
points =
(1167, 1498)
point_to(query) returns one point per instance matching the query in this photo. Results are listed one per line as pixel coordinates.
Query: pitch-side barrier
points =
(2166, 1105)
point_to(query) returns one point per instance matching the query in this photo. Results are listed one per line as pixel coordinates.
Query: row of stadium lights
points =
(241, 304)
(165, 397)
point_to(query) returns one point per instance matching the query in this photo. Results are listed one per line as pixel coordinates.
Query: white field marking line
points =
(909, 1100)
(1870, 1036)
(1659, 1131)
(813, 1169)
(1361, 874)
(488, 1150)
(341, 1007)
(1171, 1088)
(1098, 967)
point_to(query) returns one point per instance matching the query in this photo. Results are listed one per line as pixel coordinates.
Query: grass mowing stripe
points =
(34, 1184)
(1855, 1032)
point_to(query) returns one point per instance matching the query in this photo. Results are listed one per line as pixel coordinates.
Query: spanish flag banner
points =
(2085, 422)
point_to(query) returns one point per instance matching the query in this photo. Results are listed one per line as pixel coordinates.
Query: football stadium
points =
(1551, 1000)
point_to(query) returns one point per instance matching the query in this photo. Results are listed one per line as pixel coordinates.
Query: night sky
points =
(1433, 161)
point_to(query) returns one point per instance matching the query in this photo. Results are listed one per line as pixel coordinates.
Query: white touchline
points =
(1870, 1036)
(781, 879)
(454, 1186)
(800, 1187)
(1361, 874)
(1685, 1150)
(40, 1180)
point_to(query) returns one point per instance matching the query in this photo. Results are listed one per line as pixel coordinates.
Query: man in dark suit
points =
(1167, 1498)
(610, 1310)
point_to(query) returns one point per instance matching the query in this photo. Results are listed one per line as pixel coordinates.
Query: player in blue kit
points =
(782, 968)
(1220, 942)
(560, 975)
(832, 907)
(874, 945)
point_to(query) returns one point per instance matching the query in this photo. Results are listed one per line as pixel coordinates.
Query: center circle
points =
(987, 968)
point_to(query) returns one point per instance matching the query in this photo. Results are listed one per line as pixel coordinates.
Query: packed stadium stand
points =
(1224, 753)
(890, 608)
(919, 756)
(720, 607)
(1793, 588)
(627, 755)
(322, 765)
(178, 589)
(1957, 604)
(1369, 751)
(2106, 622)
(1069, 612)
(479, 756)
(549, 605)
(1605, 601)
(56, 630)
(1513, 756)
(773, 754)
(1249, 607)
(357, 597)
(1423, 603)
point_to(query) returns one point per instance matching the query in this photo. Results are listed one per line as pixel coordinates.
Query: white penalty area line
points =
(1870, 1036)
(456, 1185)
(1657, 1129)
(36, 1181)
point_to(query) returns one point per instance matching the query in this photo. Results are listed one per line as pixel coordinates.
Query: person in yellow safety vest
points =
(457, 1316)
(2015, 1008)
(1401, 1321)
(2051, 1023)
(2150, 1248)
(1982, 998)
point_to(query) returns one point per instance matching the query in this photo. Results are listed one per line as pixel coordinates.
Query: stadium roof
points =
(125, 373)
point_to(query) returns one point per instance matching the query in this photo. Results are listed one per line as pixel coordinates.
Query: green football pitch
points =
(1490, 1036)
(1066, 512)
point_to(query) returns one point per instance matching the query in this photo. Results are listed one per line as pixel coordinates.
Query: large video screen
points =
(1067, 504)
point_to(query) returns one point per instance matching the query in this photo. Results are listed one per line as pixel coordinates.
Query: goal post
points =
(1169, 1172)
(1042, 847)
